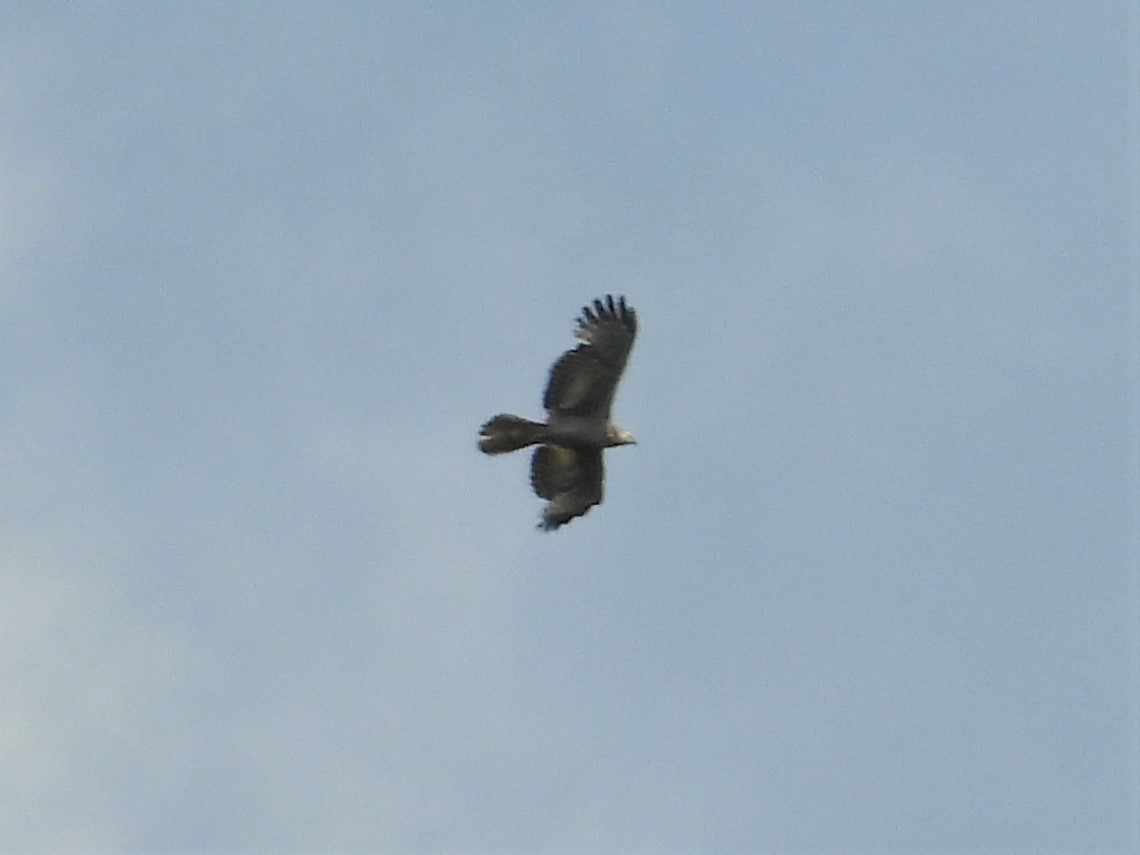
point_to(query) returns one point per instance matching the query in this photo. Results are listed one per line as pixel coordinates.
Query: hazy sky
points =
(868, 583)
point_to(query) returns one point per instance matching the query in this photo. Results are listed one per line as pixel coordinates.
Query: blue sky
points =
(867, 584)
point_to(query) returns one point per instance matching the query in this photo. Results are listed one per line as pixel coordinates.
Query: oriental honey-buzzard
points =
(566, 469)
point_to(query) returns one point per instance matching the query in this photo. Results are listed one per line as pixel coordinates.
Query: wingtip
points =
(606, 309)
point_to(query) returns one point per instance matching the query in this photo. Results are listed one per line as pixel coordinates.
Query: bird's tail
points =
(509, 433)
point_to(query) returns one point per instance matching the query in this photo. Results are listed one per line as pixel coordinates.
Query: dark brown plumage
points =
(566, 468)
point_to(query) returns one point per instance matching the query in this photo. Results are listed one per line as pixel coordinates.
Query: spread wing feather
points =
(569, 478)
(583, 381)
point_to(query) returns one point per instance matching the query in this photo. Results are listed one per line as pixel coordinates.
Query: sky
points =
(867, 584)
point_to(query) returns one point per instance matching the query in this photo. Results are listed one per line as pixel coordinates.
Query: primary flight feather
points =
(566, 468)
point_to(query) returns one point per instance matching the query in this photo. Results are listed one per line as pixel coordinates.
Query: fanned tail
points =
(509, 433)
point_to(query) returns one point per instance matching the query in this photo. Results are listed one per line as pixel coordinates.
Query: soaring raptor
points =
(566, 469)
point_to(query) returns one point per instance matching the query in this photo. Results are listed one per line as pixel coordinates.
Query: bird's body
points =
(566, 468)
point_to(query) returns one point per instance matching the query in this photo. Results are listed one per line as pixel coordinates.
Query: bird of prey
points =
(566, 469)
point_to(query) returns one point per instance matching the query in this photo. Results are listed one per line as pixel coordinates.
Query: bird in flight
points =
(566, 468)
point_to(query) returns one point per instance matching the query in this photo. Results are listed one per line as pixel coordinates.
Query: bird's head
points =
(620, 436)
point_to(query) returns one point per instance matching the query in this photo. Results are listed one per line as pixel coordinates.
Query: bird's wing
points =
(583, 380)
(569, 478)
